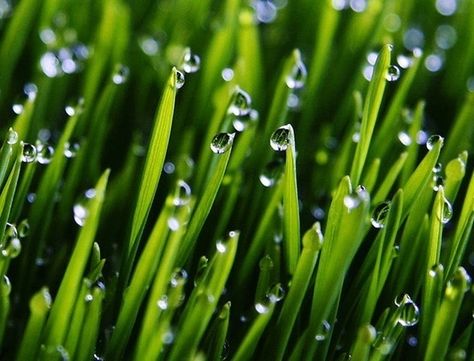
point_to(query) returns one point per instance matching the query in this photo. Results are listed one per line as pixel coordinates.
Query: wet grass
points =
(243, 180)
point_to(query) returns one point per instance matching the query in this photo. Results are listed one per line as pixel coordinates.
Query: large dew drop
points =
(408, 312)
(280, 138)
(393, 73)
(379, 214)
(222, 142)
(29, 153)
(447, 212)
(433, 140)
(179, 81)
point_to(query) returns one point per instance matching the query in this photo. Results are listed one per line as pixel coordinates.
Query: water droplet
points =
(271, 173)
(23, 228)
(261, 307)
(434, 62)
(173, 223)
(227, 74)
(421, 137)
(30, 90)
(71, 149)
(31, 197)
(120, 74)
(179, 277)
(80, 214)
(6, 285)
(179, 80)
(393, 73)
(404, 61)
(340, 4)
(222, 142)
(433, 140)
(379, 215)
(163, 302)
(437, 168)
(149, 45)
(265, 11)
(17, 108)
(241, 123)
(412, 341)
(191, 62)
(29, 153)
(182, 194)
(318, 213)
(12, 247)
(323, 332)
(436, 271)
(367, 72)
(88, 298)
(447, 213)
(408, 312)
(276, 293)
(168, 337)
(44, 152)
(446, 7)
(404, 138)
(438, 182)
(280, 139)
(221, 246)
(5, 8)
(446, 36)
(413, 38)
(297, 77)
(240, 104)
(12, 136)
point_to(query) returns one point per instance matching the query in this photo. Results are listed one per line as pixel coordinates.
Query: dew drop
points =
(409, 313)
(173, 223)
(241, 123)
(280, 139)
(297, 77)
(120, 74)
(191, 62)
(323, 332)
(80, 214)
(168, 337)
(240, 104)
(438, 182)
(447, 212)
(222, 142)
(45, 153)
(12, 248)
(221, 246)
(404, 61)
(29, 153)
(179, 277)
(182, 194)
(17, 108)
(379, 215)
(23, 228)
(276, 293)
(271, 173)
(71, 149)
(163, 302)
(404, 138)
(6, 285)
(393, 73)
(261, 307)
(179, 80)
(88, 298)
(149, 45)
(12, 136)
(227, 74)
(433, 140)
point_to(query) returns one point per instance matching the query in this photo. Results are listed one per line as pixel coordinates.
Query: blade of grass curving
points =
(455, 172)
(413, 148)
(151, 170)
(140, 283)
(5, 305)
(365, 338)
(22, 191)
(291, 214)
(204, 204)
(277, 341)
(40, 304)
(341, 243)
(430, 303)
(264, 278)
(5, 156)
(58, 321)
(204, 301)
(446, 317)
(370, 112)
(463, 231)
(389, 180)
(371, 176)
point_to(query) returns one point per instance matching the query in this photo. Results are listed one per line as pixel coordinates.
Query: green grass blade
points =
(61, 310)
(370, 112)
(217, 334)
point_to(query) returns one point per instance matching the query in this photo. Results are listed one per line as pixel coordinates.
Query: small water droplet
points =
(179, 80)
(222, 142)
(31, 197)
(280, 139)
(12, 136)
(433, 140)
(241, 123)
(261, 307)
(271, 173)
(120, 74)
(434, 62)
(168, 337)
(173, 223)
(17, 108)
(71, 149)
(163, 302)
(404, 138)
(29, 153)
(393, 73)
(88, 298)
(179, 277)
(45, 153)
(436, 271)
(438, 182)
(409, 313)
(191, 62)
(23, 228)
(240, 104)
(6, 285)
(30, 90)
(404, 61)
(437, 168)
(297, 77)
(182, 194)
(276, 293)
(318, 213)
(447, 213)
(227, 74)
(149, 45)
(221, 246)
(379, 215)
(80, 214)
(323, 332)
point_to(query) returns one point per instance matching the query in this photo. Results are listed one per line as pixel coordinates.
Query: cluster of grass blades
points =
(238, 179)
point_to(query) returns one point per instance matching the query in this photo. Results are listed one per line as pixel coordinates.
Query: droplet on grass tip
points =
(297, 76)
(433, 140)
(29, 153)
(179, 80)
(447, 212)
(222, 142)
(280, 139)
(379, 214)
